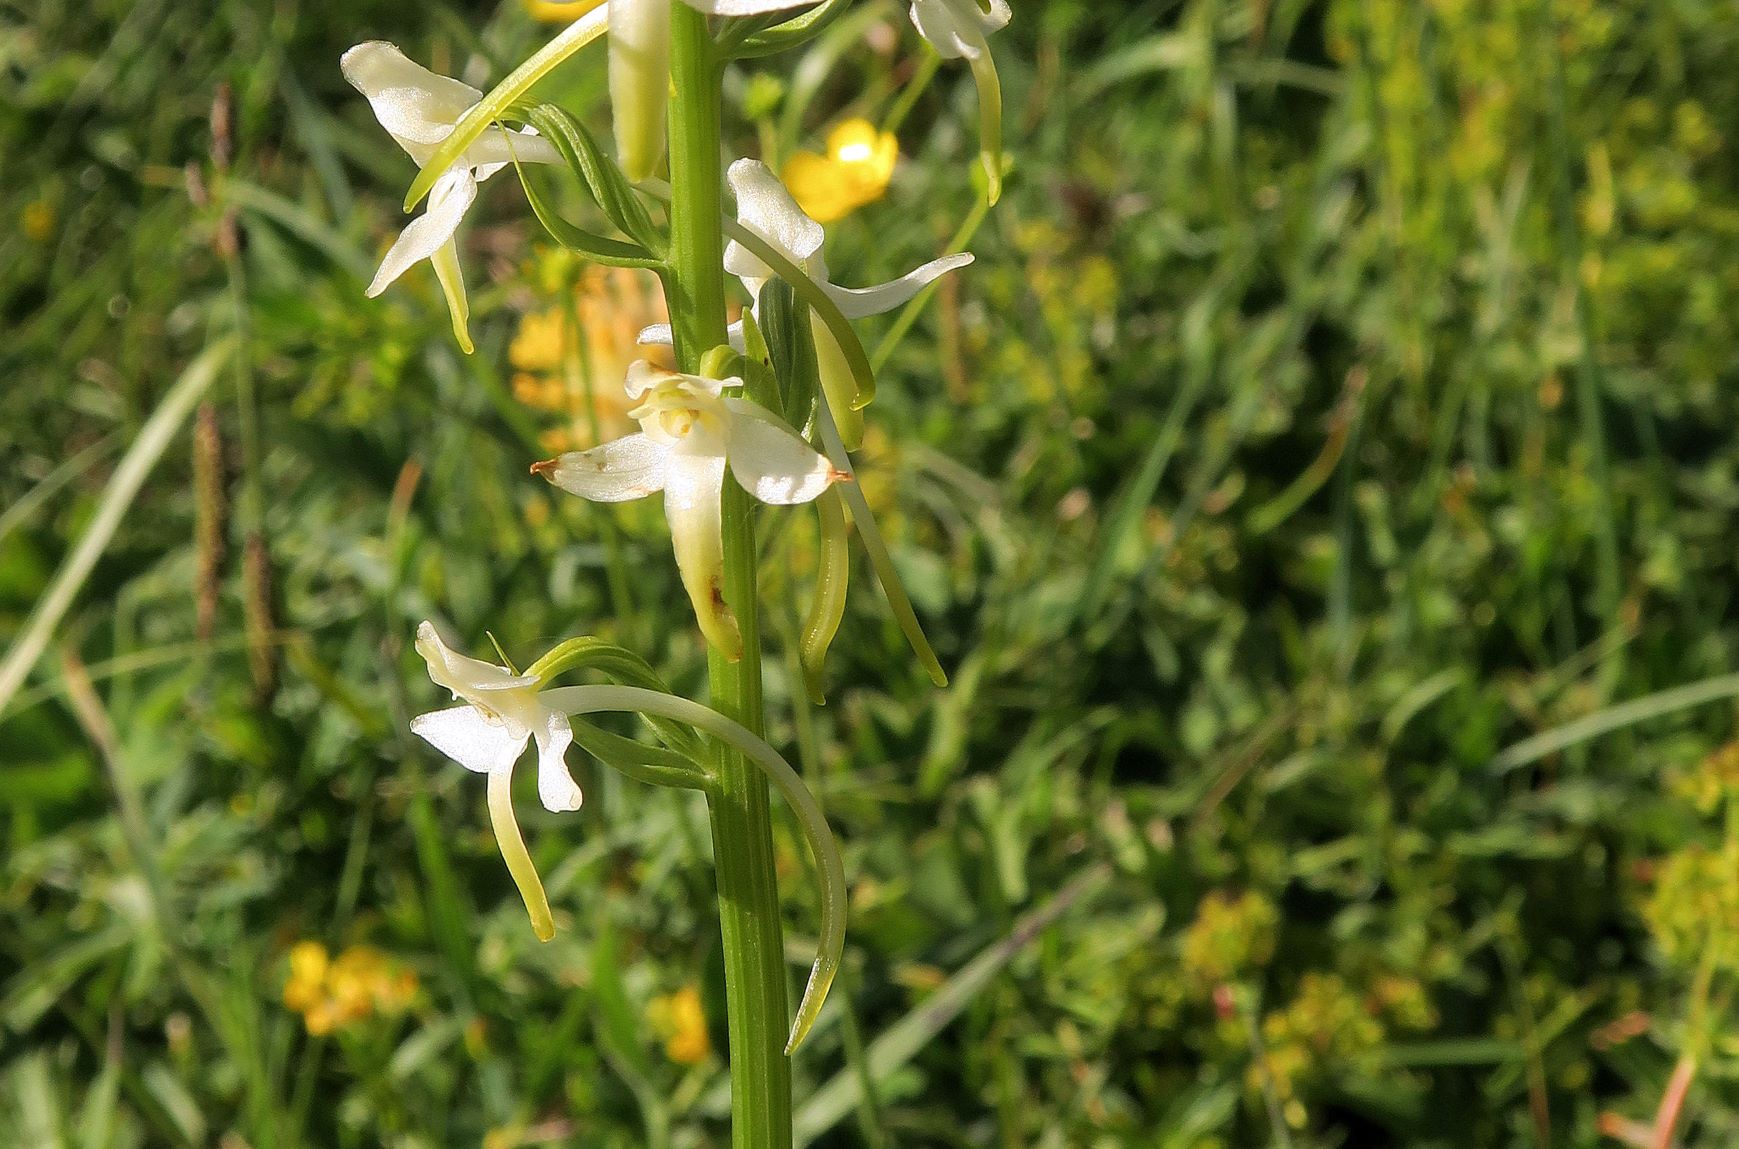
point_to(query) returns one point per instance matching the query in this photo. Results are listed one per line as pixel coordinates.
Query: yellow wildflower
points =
(855, 171)
(308, 962)
(1232, 935)
(578, 374)
(37, 220)
(681, 1020)
(332, 993)
(559, 11)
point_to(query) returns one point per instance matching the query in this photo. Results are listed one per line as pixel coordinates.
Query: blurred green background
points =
(1322, 492)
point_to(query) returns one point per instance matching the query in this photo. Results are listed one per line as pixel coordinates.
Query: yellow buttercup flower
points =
(681, 1020)
(37, 220)
(308, 962)
(560, 11)
(331, 993)
(855, 171)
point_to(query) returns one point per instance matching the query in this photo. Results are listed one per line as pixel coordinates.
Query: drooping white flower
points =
(419, 109)
(960, 29)
(502, 713)
(640, 72)
(767, 209)
(690, 431)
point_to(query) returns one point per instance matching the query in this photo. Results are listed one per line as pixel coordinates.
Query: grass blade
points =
(135, 465)
(1612, 718)
(887, 1053)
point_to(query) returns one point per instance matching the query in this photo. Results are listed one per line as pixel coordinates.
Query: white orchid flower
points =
(690, 431)
(767, 209)
(960, 29)
(640, 72)
(502, 713)
(419, 109)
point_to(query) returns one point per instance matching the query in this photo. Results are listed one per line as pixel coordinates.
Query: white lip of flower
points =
(640, 72)
(690, 431)
(960, 29)
(419, 108)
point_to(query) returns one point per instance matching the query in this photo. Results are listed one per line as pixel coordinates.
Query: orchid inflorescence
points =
(777, 405)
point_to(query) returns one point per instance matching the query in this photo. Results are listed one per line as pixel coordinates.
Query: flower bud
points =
(639, 82)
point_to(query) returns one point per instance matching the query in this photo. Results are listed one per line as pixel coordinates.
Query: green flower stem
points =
(742, 823)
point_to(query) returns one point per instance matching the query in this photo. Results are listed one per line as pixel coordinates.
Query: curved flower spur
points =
(690, 431)
(504, 710)
(419, 110)
(960, 29)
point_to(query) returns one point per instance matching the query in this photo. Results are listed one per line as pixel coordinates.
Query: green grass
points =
(1321, 494)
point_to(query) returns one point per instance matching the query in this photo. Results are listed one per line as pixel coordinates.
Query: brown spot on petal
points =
(544, 467)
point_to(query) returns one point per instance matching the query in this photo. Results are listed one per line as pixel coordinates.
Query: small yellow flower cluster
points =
(578, 374)
(854, 172)
(1330, 1027)
(1232, 935)
(37, 221)
(331, 993)
(1715, 778)
(1693, 912)
(679, 1018)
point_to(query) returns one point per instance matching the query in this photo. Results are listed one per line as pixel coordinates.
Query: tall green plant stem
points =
(742, 825)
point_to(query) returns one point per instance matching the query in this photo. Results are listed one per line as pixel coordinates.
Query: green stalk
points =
(742, 825)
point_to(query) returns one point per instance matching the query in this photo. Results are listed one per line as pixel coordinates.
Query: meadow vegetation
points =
(1317, 492)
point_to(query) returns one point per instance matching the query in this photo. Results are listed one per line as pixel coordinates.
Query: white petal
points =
(743, 7)
(767, 209)
(496, 148)
(460, 673)
(692, 488)
(769, 459)
(639, 64)
(413, 104)
(555, 786)
(661, 335)
(644, 375)
(859, 302)
(452, 196)
(957, 28)
(463, 734)
(631, 467)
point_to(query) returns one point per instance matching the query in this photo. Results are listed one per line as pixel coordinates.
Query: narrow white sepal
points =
(631, 467)
(463, 734)
(858, 302)
(771, 462)
(452, 196)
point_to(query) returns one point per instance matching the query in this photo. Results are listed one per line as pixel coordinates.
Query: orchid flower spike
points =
(767, 209)
(961, 29)
(640, 72)
(502, 712)
(690, 430)
(419, 109)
